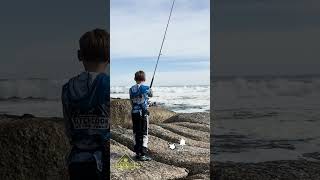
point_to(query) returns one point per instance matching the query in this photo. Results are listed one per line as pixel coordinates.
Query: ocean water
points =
(266, 118)
(176, 98)
(41, 97)
(255, 118)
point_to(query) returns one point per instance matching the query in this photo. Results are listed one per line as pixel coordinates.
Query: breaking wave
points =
(30, 89)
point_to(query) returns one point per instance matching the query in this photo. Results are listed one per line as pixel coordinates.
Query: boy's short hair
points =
(95, 46)
(139, 76)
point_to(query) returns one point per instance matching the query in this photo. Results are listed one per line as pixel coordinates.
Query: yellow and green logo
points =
(126, 163)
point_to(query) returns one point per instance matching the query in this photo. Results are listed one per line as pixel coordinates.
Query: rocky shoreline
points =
(35, 148)
(166, 127)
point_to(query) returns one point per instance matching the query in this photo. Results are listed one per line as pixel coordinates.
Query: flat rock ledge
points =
(151, 170)
(195, 159)
(202, 118)
(172, 137)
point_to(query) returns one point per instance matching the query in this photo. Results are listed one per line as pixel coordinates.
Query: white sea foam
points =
(228, 93)
(176, 98)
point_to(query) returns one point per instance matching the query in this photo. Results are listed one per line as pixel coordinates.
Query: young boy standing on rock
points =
(86, 102)
(139, 95)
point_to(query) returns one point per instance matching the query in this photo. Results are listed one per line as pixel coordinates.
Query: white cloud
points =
(137, 28)
(201, 77)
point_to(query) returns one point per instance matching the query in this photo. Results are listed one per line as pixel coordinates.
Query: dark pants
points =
(89, 170)
(140, 131)
(84, 171)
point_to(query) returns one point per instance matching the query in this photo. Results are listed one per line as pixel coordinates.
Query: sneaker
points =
(145, 158)
(138, 156)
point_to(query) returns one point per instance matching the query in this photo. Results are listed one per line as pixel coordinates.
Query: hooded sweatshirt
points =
(86, 103)
(139, 95)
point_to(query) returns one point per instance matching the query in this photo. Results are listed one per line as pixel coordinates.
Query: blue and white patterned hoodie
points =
(86, 102)
(139, 96)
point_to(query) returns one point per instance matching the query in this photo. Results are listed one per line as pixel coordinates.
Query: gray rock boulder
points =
(32, 148)
(121, 113)
(202, 118)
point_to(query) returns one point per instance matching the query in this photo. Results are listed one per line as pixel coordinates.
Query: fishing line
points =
(164, 37)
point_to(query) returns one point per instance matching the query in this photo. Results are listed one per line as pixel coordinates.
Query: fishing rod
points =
(164, 37)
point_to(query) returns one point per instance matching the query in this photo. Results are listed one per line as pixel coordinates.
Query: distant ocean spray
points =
(34, 95)
(41, 97)
(31, 88)
(175, 98)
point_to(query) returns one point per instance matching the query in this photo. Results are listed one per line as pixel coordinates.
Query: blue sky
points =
(137, 28)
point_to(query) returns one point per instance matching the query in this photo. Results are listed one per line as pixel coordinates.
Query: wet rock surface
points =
(272, 170)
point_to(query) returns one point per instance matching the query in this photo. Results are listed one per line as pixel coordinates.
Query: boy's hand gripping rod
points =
(164, 37)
